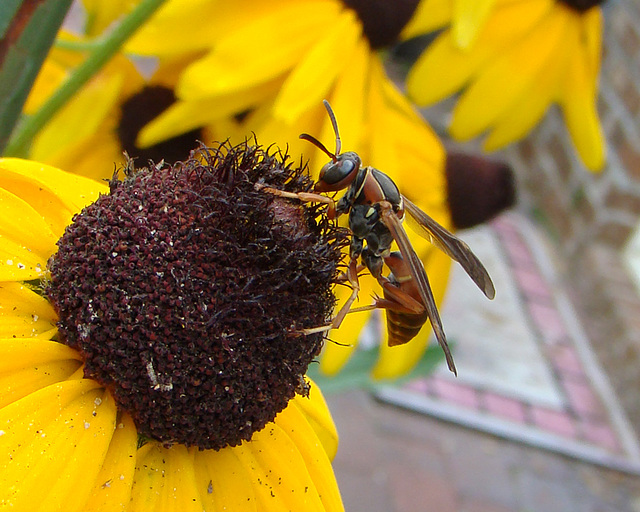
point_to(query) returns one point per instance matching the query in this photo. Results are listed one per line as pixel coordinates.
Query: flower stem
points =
(105, 47)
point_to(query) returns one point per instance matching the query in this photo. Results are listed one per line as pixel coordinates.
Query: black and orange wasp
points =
(376, 210)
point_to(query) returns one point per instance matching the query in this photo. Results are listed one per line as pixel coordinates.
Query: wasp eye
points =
(346, 166)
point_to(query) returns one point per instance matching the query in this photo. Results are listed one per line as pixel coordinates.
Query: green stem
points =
(104, 49)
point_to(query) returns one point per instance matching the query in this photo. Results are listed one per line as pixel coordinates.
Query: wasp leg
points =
(343, 277)
(336, 321)
(306, 197)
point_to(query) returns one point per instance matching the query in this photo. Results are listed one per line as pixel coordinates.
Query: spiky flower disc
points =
(184, 289)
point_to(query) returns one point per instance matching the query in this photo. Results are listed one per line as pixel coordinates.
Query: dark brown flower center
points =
(184, 288)
(582, 5)
(383, 20)
(137, 112)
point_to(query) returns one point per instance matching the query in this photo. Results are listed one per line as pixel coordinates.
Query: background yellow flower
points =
(526, 56)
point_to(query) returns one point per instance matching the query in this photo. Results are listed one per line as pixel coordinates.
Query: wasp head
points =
(339, 173)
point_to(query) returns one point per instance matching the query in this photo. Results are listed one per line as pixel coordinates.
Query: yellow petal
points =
(53, 443)
(95, 156)
(23, 312)
(29, 365)
(501, 83)
(281, 480)
(348, 102)
(55, 194)
(400, 360)
(296, 426)
(468, 18)
(186, 115)
(112, 488)
(26, 241)
(316, 411)
(165, 480)
(311, 78)
(419, 172)
(258, 51)
(180, 19)
(429, 15)
(79, 118)
(198, 24)
(444, 67)
(100, 15)
(591, 35)
(526, 110)
(225, 480)
(49, 78)
(579, 101)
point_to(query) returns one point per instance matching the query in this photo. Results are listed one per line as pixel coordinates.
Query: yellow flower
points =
(90, 134)
(82, 136)
(66, 441)
(524, 56)
(267, 72)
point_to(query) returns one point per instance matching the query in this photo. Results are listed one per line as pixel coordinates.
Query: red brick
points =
(459, 394)
(419, 386)
(504, 407)
(582, 398)
(532, 283)
(558, 422)
(600, 433)
(548, 321)
(566, 360)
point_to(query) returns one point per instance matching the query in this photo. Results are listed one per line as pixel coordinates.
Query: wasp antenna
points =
(318, 144)
(332, 116)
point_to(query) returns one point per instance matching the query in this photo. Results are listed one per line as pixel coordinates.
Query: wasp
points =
(376, 210)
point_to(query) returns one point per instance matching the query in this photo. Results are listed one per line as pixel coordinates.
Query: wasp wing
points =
(391, 221)
(452, 246)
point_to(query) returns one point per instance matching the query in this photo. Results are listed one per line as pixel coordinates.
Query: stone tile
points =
(364, 491)
(539, 494)
(421, 491)
(468, 505)
(480, 470)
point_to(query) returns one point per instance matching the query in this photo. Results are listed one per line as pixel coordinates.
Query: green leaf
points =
(357, 372)
(28, 29)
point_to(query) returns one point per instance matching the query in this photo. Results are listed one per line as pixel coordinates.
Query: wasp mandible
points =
(376, 211)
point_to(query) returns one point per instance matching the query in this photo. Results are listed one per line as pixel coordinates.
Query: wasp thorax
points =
(184, 289)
